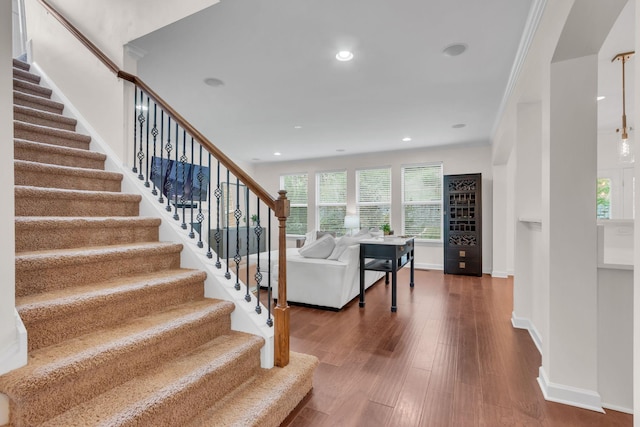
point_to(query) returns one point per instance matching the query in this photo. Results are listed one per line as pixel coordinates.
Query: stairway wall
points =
(13, 352)
(244, 318)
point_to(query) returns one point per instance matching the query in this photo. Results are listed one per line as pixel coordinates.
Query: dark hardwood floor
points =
(448, 357)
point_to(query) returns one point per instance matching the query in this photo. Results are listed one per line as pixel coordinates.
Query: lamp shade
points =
(351, 221)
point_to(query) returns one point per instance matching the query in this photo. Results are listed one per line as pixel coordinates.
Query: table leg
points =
(361, 277)
(412, 259)
(394, 276)
(386, 278)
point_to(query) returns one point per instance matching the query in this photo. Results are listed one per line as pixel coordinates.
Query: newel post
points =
(281, 311)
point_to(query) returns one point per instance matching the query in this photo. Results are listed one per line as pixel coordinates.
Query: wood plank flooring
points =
(448, 357)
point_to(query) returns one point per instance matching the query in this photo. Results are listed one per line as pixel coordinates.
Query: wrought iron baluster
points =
(134, 169)
(237, 213)
(209, 254)
(258, 276)
(191, 201)
(183, 161)
(227, 274)
(269, 266)
(154, 159)
(218, 193)
(175, 191)
(200, 216)
(168, 186)
(247, 296)
(141, 119)
(162, 174)
(146, 183)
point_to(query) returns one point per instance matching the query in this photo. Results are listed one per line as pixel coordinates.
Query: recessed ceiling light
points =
(344, 55)
(297, 127)
(459, 126)
(213, 82)
(454, 49)
(277, 153)
(340, 150)
(406, 139)
(255, 159)
(600, 98)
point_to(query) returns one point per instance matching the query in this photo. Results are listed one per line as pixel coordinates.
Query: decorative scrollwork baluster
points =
(141, 120)
(146, 182)
(184, 197)
(269, 266)
(154, 164)
(175, 190)
(168, 186)
(227, 274)
(209, 254)
(237, 214)
(134, 169)
(218, 236)
(258, 276)
(200, 216)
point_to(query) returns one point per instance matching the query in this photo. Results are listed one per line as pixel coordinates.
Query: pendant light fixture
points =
(625, 148)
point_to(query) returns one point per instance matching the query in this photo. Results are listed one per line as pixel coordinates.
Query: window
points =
(296, 187)
(603, 198)
(422, 201)
(331, 200)
(373, 197)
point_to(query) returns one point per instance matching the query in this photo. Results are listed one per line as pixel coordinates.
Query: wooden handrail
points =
(256, 188)
(280, 205)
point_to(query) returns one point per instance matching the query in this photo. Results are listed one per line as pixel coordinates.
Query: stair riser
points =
(69, 182)
(42, 121)
(55, 324)
(52, 206)
(31, 89)
(31, 103)
(207, 390)
(111, 369)
(26, 76)
(30, 135)
(32, 154)
(31, 238)
(51, 274)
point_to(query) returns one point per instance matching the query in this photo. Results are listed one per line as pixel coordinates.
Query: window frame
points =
(439, 203)
(297, 205)
(319, 204)
(388, 204)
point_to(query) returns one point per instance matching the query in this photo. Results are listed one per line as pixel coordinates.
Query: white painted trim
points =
(531, 26)
(617, 408)
(567, 395)
(243, 318)
(15, 355)
(426, 266)
(499, 274)
(524, 323)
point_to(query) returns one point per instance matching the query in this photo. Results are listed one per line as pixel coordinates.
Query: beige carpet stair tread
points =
(43, 118)
(45, 130)
(266, 399)
(79, 173)
(66, 299)
(49, 233)
(37, 102)
(19, 73)
(21, 64)
(32, 88)
(56, 154)
(164, 393)
(82, 354)
(70, 256)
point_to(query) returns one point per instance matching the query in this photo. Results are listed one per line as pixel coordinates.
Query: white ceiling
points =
(277, 61)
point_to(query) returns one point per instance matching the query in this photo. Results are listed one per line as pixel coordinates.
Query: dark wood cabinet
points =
(463, 224)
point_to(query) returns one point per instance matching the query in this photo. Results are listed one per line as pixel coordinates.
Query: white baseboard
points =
(15, 355)
(500, 274)
(425, 266)
(524, 323)
(617, 408)
(567, 395)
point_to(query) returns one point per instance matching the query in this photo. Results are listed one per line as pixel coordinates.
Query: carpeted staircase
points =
(119, 334)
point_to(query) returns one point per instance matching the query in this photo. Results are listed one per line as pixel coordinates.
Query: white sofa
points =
(323, 283)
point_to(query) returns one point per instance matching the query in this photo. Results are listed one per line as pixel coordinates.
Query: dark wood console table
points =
(388, 255)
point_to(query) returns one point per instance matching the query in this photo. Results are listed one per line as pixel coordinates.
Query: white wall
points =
(636, 278)
(85, 81)
(9, 340)
(456, 160)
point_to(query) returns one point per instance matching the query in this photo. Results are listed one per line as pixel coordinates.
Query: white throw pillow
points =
(344, 242)
(321, 248)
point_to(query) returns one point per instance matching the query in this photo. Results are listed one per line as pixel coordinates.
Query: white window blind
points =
(373, 197)
(331, 200)
(422, 201)
(296, 187)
